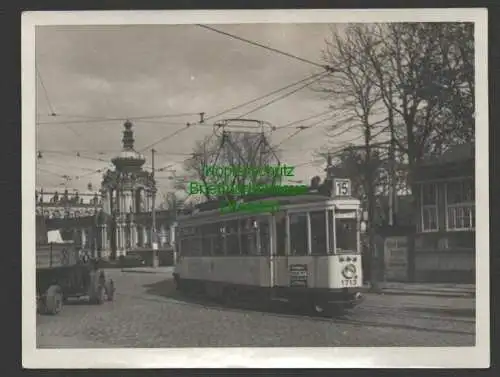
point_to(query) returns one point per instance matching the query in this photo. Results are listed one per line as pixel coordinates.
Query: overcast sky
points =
(138, 71)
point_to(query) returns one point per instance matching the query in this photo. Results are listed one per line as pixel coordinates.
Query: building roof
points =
(458, 161)
(456, 153)
(128, 157)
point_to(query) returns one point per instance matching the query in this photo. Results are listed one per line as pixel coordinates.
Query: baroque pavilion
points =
(121, 220)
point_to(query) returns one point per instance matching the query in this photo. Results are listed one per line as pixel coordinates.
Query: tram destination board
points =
(298, 275)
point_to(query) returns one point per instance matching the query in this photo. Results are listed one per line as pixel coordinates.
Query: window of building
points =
(429, 212)
(298, 234)
(318, 232)
(460, 205)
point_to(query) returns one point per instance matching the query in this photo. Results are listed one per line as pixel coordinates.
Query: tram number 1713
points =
(348, 282)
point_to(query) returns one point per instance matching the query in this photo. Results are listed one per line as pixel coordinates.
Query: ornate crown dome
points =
(129, 158)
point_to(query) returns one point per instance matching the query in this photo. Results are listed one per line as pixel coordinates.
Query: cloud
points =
(143, 70)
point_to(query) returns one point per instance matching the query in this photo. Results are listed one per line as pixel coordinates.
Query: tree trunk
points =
(411, 242)
(375, 272)
(412, 235)
(370, 195)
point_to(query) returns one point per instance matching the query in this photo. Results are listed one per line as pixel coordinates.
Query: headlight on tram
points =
(349, 271)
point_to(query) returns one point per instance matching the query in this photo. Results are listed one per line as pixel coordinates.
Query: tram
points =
(305, 250)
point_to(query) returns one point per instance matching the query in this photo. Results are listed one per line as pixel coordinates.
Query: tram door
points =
(272, 252)
(278, 259)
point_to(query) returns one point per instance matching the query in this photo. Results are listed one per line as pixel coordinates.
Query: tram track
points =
(372, 309)
(149, 312)
(364, 315)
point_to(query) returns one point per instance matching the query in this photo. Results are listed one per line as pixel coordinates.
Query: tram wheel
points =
(326, 309)
(318, 308)
(228, 296)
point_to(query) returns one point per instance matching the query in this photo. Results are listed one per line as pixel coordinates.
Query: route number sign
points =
(342, 187)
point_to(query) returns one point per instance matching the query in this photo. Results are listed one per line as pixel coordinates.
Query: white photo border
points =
(359, 357)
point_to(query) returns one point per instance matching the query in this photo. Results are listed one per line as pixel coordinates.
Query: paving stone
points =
(148, 312)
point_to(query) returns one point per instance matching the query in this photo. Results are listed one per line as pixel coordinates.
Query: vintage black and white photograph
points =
(255, 188)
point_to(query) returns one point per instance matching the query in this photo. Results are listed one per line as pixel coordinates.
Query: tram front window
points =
(346, 235)
(318, 233)
(298, 234)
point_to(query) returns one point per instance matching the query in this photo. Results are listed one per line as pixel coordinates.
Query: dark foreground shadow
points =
(461, 313)
(166, 289)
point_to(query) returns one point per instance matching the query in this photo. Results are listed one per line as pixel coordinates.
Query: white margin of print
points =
(360, 357)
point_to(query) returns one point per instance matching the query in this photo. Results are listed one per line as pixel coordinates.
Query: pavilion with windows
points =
(118, 221)
(445, 219)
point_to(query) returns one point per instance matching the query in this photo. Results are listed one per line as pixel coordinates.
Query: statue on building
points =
(315, 183)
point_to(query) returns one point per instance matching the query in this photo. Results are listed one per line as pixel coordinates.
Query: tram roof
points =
(212, 207)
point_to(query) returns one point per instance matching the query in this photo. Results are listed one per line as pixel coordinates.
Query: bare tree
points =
(352, 88)
(424, 74)
(230, 150)
(351, 162)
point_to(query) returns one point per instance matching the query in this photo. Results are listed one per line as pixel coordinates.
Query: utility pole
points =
(392, 162)
(370, 196)
(154, 244)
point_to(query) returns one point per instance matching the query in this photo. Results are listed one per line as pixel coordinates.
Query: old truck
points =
(64, 271)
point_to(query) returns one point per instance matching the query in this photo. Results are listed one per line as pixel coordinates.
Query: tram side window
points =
(195, 246)
(195, 241)
(318, 232)
(180, 247)
(206, 233)
(185, 235)
(298, 234)
(281, 237)
(218, 240)
(264, 236)
(185, 247)
(244, 231)
(232, 238)
(248, 236)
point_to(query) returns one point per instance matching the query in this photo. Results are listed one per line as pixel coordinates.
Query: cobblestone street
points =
(147, 312)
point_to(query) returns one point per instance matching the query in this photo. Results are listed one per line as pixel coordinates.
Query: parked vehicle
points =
(64, 272)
